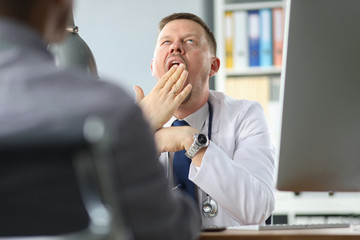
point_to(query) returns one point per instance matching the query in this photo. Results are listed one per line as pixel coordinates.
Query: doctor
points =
(232, 160)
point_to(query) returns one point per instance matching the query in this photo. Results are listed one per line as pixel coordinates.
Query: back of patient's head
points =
(18, 9)
(48, 17)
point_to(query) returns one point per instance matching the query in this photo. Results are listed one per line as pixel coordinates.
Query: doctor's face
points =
(184, 41)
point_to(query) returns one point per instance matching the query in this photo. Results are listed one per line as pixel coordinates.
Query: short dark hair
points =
(17, 8)
(192, 17)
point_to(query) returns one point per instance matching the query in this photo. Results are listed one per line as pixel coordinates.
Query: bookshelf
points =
(221, 7)
(259, 82)
(262, 84)
(253, 71)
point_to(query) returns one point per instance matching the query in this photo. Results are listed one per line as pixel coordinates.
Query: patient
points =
(39, 196)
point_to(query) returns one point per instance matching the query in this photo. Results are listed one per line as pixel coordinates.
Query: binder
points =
(229, 30)
(253, 88)
(231, 88)
(266, 48)
(254, 37)
(278, 35)
(241, 49)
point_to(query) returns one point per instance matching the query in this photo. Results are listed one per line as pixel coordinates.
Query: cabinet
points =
(262, 83)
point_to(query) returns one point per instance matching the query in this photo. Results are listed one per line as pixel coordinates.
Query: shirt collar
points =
(196, 120)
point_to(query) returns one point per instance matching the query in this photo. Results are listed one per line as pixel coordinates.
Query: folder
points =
(229, 30)
(254, 37)
(241, 49)
(266, 48)
(278, 35)
(231, 88)
(253, 88)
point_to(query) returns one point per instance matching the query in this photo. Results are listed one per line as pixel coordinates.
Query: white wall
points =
(122, 34)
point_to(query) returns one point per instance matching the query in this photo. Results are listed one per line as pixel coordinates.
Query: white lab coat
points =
(237, 170)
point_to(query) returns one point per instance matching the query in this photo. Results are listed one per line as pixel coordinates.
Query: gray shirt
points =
(35, 94)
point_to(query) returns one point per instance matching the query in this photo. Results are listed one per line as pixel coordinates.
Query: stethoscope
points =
(209, 207)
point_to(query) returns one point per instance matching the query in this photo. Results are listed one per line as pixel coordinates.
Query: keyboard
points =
(292, 226)
(303, 226)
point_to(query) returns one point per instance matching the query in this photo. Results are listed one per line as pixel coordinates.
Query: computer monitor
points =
(319, 146)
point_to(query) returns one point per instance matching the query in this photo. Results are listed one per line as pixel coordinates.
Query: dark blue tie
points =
(181, 165)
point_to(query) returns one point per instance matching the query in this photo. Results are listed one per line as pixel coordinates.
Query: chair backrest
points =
(83, 144)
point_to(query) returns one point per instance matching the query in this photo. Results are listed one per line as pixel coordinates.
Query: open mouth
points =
(174, 61)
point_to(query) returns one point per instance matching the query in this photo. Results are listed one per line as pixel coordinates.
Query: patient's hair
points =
(189, 16)
(16, 8)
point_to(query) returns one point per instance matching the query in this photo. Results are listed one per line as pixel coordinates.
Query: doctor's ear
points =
(215, 65)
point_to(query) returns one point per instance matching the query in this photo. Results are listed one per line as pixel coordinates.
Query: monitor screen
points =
(319, 146)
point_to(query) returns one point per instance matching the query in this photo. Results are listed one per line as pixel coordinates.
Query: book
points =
(241, 49)
(229, 31)
(266, 48)
(254, 37)
(278, 35)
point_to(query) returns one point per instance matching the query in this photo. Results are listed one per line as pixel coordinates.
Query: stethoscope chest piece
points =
(209, 207)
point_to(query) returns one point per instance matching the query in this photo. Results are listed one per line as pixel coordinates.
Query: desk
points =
(304, 234)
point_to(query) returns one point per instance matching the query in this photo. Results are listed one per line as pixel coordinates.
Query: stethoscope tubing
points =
(209, 201)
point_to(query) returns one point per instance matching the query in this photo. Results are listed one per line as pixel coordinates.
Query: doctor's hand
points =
(167, 95)
(173, 139)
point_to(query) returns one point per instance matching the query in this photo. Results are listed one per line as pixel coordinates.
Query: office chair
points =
(89, 142)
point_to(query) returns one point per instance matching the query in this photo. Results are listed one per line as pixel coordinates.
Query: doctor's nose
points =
(176, 47)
